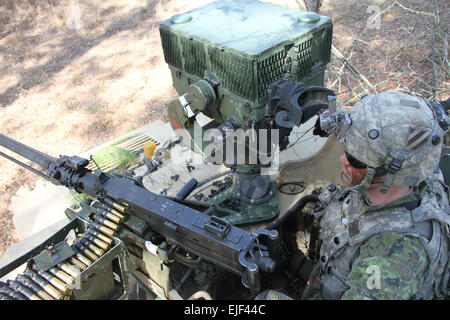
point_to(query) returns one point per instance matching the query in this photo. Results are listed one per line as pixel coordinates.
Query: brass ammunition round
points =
(69, 269)
(6, 290)
(101, 236)
(99, 252)
(118, 214)
(51, 290)
(113, 217)
(78, 263)
(115, 205)
(4, 296)
(105, 213)
(55, 282)
(106, 222)
(61, 275)
(104, 206)
(83, 259)
(17, 296)
(44, 284)
(104, 246)
(28, 282)
(20, 288)
(87, 252)
(103, 229)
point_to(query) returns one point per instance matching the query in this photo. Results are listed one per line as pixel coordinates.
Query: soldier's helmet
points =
(397, 136)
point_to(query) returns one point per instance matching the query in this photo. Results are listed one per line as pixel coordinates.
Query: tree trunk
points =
(313, 5)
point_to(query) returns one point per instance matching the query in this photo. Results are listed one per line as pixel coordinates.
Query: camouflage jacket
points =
(397, 251)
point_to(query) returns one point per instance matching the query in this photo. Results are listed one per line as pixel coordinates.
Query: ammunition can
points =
(20, 288)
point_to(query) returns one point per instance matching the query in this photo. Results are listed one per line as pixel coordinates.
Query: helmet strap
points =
(367, 182)
(393, 168)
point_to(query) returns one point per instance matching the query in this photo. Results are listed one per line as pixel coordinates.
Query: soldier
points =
(386, 236)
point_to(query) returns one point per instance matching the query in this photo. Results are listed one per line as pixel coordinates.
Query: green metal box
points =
(243, 44)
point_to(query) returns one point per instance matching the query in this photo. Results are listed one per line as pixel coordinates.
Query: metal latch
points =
(218, 227)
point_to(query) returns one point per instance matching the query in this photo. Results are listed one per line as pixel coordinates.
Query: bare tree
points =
(313, 5)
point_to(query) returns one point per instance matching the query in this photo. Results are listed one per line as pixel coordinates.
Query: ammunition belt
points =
(57, 283)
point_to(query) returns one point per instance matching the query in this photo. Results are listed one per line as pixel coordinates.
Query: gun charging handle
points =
(257, 257)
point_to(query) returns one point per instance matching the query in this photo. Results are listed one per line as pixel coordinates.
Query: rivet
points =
(373, 133)
(435, 140)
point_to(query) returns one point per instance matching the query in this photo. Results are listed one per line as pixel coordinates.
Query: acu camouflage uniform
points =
(396, 251)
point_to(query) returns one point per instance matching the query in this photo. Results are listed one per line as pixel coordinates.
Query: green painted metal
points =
(308, 17)
(243, 45)
(247, 214)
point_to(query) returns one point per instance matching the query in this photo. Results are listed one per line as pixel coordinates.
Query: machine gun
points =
(122, 212)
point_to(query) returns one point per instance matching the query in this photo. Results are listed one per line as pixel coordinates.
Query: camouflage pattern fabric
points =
(376, 252)
(394, 125)
(389, 266)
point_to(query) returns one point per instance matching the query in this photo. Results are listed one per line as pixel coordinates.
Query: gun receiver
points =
(208, 237)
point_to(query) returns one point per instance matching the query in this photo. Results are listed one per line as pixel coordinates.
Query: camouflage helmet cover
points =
(397, 132)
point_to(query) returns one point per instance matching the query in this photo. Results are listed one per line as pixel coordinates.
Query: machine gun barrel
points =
(40, 158)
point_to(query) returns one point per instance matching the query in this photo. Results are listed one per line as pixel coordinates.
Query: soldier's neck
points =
(376, 198)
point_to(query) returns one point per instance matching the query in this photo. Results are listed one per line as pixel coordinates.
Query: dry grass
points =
(75, 74)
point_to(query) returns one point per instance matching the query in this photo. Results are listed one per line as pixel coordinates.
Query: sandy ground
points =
(75, 74)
